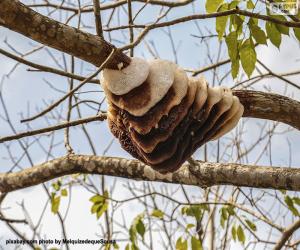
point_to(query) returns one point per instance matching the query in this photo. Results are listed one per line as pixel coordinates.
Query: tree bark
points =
(201, 174)
(93, 49)
(270, 106)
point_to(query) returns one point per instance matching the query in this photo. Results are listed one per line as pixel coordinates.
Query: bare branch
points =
(45, 68)
(98, 21)
(100, 117)
(55, 104)
(114, 5)
(286, 235)
(203, 174)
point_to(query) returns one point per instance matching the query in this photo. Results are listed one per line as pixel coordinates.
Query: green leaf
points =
(64, 192)
(221, 22)
(282, 28)
(101, 210)
(233, 232)
(56, 185)
(233, 5)
(140, 228)
(230, 210)
(181, 244)
(232, 45)
(55, 202)
(296, 200)
(212, 5)
(134, 247)
(290, 203)
(251, 225)
(250, 5)
(224, 213)
(196, 244)
(297, 33)
(100, 204)
(193, 210)
(258, 34)
(235, 66)
(95, 207)
(248, 56)
(157, 213)
(189, 226)
(127, 247)
(240, 234)
(132, 234)
(116, 246)
(97, 198)
(273, 34)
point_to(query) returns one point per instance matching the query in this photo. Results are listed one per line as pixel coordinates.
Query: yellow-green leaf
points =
(97, 198)
(273, 34)
(250, 5)
(64, 192)
(258, 34)
(240, 234)
(189, 226)
(290, 203)
(235, 66)
(251, 225)
(233, 232)
(196, 244)
(212, 5)
(101, 210)
(157, 213)
(55, 202)
(296, 200)
(181, 244)
(297, 33)
(140, 228)
(281, 28)
(221, 22)
(232, 45)
(248, 56)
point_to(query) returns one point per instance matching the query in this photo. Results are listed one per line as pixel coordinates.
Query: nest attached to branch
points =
(161, 116)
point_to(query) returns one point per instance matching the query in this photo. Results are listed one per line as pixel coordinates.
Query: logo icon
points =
(284, 8)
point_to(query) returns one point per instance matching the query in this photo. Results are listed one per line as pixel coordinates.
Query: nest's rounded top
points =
(120, 82)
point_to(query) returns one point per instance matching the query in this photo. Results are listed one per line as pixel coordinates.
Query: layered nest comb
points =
(161, 116)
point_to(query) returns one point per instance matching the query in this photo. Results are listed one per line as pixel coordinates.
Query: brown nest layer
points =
(163, 119)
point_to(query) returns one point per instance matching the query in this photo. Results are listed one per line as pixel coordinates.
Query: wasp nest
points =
(161, 116)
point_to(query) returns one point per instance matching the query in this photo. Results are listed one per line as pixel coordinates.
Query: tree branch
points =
(202, 174)
(94, 49)
(257, 105)
(286, 235)
(270, 106)
(99, 117)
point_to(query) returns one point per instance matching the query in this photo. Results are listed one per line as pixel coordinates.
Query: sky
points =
(25, 89)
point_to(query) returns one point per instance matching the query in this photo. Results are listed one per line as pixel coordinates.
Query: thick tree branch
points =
(202, 174)
(270, 106)
(257, 105)
(19, 18)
